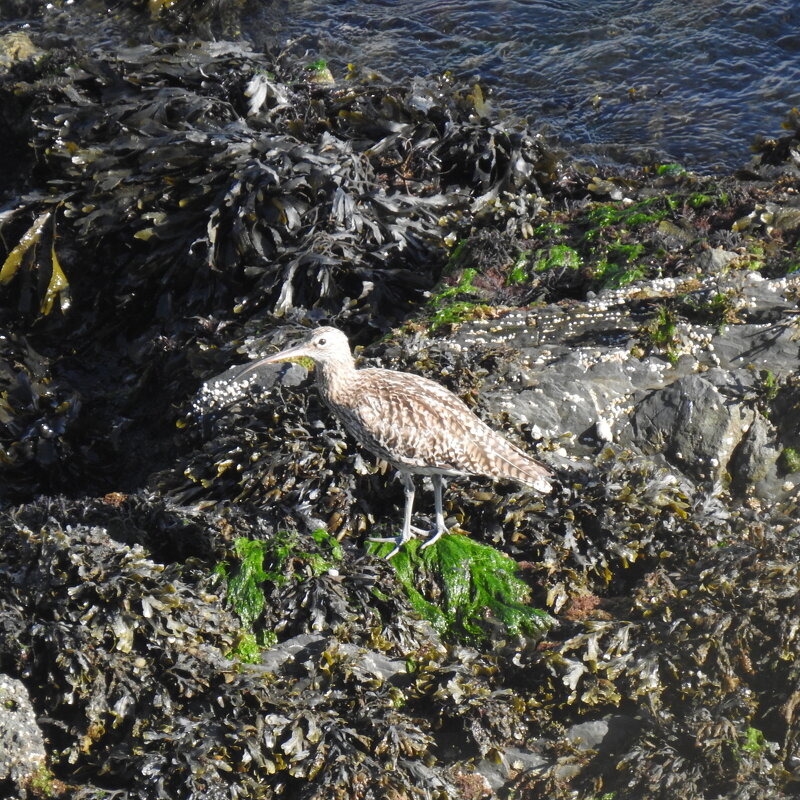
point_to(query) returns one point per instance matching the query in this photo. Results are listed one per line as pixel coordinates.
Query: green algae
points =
(249, 648)
(754, 741)
(672, 170)
(661, 333)
(615, 276)
(557, 256)
(549, 229)
(453, 314)
(651, 209)
(256, 562)
(464, 286)
(605, 215)
(245, 594)
(699, 200)
(789, 460)
(519, 271)
(474, 589)
(448, 311)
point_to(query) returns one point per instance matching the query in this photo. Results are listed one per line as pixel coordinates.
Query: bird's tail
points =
(525, 470)
(508, 461)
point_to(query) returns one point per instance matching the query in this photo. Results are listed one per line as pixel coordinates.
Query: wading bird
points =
(413, 423)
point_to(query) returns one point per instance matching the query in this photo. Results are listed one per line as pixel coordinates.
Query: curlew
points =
(413, 423)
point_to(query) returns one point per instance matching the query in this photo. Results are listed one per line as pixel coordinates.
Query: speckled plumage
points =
(415, 424)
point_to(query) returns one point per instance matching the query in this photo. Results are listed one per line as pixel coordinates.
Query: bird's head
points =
(323, 346)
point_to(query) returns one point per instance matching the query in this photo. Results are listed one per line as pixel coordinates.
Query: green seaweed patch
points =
(617, 268)
(258, 561)
(789, 460)
(552, 229)
(458, 312)
(474, 588)
(651, 209)
(660, 334)
(449, 311)
(519, 271)
(557, 256)
(699, 200)
(245, 594)
(250, 647)
(754, 741)
(464, 286)
(625, 253)
(671, 170)
(614, 276)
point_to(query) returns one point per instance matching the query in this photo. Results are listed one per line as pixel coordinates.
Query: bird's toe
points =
(419, 531)
(399, 541)
(435, 535)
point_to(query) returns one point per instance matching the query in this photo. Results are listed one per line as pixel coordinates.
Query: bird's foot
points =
(399, 541)
(432, 535)
(435, 534)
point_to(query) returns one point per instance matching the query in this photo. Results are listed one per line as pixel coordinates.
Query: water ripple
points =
(638, 80)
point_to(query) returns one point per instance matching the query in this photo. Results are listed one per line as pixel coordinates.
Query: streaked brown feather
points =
(415, 424)
(418, 425)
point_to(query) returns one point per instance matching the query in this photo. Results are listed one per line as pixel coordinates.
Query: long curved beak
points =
(298, 351)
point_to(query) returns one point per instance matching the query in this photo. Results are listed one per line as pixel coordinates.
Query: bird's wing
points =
(409, 418)
(416, 422)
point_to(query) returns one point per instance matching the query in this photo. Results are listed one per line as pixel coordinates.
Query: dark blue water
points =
(688, 81)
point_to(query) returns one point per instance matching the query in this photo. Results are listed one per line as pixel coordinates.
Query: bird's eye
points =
(320, 343)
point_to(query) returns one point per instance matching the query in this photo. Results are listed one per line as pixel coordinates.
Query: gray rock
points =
(576, 375)
(293, 654)
(755, 460)
(294, 650)
(604, 735)
(691, 422)
(787, 416)
(228, 387)
(22, 751)
(715, 260)
(513, 761)
(769, 346)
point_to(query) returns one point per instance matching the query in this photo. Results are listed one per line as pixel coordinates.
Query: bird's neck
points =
(336, 380)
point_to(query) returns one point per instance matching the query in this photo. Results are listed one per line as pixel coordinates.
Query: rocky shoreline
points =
(188, 604)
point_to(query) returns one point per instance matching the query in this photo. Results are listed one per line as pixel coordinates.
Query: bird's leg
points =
(438, 485)
(405, 534)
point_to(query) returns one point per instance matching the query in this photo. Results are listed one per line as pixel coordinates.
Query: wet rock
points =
(715, 260)
(22, 750)
(603, 735)
(294, 655)
(513, 761)
(691, 422)
(753, 464)
(787, 408)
